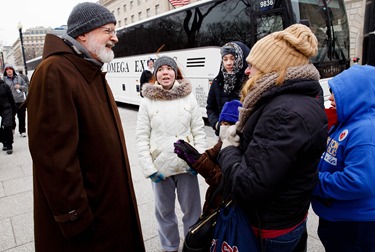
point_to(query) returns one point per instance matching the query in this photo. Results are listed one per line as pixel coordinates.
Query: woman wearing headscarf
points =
(227, 84)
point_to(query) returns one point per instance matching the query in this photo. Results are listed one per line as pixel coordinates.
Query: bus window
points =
(267, 24)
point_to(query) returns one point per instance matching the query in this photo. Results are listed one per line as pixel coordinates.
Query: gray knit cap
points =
(86, 17)
(165, 60)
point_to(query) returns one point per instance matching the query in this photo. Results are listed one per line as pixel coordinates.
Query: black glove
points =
(186, 152)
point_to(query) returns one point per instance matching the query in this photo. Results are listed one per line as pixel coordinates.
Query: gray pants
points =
(165, 196)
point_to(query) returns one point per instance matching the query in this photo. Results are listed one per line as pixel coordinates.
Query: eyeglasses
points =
(8, 68)
(109, 31)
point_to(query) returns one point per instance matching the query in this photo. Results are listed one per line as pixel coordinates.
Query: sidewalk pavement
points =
(16, 199)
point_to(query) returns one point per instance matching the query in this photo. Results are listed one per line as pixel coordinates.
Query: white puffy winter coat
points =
(164, 117)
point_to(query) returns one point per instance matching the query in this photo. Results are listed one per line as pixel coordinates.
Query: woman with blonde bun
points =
(274, 149)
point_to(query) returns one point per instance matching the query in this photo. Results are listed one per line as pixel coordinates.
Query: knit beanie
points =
(165, 60)
(280, 50)
(86, 17)
(230, 112)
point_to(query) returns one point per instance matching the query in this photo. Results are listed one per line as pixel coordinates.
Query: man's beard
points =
(99, 50)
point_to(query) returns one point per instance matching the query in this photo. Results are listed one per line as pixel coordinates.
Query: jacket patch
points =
(330, 159)
(343, 135)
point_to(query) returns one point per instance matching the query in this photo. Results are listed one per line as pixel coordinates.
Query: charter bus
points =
(32, 64)
(193, 35)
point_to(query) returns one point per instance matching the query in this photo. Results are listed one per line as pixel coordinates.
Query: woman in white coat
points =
(168, 112)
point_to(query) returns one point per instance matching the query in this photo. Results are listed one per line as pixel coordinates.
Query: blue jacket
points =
(346, 188)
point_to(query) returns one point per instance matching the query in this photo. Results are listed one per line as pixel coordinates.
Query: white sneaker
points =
(23, 134)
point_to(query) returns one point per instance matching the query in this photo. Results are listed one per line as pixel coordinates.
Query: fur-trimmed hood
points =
(181, 88)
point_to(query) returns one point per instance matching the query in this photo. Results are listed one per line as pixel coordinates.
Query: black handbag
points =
(199, 236)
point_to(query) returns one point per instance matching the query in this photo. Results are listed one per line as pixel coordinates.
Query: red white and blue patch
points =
(343, 135)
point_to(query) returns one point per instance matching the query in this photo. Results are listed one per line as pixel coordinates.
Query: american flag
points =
(177, 3)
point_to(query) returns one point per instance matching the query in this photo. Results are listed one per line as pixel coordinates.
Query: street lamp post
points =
(19, 26)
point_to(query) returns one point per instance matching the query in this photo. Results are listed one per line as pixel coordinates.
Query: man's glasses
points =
(109, 31)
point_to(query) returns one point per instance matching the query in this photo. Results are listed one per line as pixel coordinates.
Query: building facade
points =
(33, 42)
(355, 10)
(130, 11)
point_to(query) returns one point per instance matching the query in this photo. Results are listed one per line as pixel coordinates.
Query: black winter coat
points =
(146, 76)
(7, 105)
(216, 100)
(275, 169)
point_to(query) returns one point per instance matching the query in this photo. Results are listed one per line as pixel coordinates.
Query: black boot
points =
(9, 149)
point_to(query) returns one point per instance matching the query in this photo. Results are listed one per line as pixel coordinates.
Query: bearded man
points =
(83, 192)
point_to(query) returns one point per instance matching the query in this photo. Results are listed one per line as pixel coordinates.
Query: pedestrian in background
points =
(7, 113)
(147, 74)
(23, 76)
(273, 151)
(168, 112)
(83, 191)
(344, 198)
(19, 89)
(228, 83)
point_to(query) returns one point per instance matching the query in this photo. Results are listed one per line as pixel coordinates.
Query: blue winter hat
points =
(230, 112)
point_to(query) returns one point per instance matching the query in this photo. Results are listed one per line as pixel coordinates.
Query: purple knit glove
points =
(186, 152)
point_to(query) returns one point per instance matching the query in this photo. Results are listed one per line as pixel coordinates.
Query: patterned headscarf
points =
(230, 79)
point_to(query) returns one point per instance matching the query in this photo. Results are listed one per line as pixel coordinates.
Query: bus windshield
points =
(327, 19)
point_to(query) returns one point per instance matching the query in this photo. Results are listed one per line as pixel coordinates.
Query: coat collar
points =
(181, 88)
(56, 46)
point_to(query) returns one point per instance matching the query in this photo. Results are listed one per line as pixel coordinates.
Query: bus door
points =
(269, 22)
(268, 16)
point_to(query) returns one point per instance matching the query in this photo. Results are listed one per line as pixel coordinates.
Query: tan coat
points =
(83, 191)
